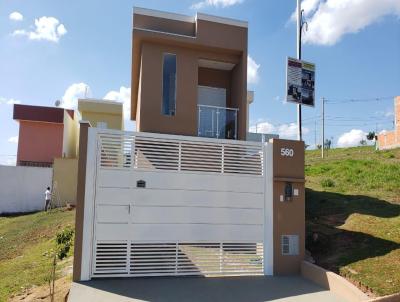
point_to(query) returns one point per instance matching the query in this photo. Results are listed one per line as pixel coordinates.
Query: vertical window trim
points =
(162, 83)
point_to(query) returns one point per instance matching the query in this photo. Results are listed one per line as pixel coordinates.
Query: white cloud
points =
(263, 127)
(16, 16)
(13, 139)
(389, 113)
(252, 71)
(283, 130)
(46, 28)
(73, 93)
(12, 102)
(123, 96)
(8, 160)
(309, 6)
(215, 3)
(9, 101)
(329, 20)
(351, 138)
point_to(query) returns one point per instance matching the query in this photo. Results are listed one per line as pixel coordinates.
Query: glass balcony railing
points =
(217, 122)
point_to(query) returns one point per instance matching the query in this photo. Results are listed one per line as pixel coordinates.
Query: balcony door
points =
(211, 96)
(214, 119)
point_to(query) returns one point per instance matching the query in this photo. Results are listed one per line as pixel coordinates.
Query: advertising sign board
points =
(300, 81)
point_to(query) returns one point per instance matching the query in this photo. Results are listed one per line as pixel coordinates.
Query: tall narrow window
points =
(169, 84)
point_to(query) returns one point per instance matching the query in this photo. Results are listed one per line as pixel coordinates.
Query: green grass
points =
(25, 245)
(353, 204)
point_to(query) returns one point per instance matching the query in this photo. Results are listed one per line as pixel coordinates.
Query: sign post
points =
(300, 76)
(299, 26)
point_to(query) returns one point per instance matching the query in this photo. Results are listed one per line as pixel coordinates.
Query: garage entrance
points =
(173, 205)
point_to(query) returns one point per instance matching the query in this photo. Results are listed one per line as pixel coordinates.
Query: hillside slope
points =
(353, 215)
(25, 245)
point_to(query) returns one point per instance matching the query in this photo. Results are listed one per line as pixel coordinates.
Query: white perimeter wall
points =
(22, 188)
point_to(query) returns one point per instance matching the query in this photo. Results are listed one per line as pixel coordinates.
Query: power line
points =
(343, 101)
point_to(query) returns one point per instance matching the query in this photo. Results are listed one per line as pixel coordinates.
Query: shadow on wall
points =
(336, 247)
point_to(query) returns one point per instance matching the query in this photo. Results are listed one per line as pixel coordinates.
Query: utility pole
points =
(315, 133)
(323, 127)
(299, 26)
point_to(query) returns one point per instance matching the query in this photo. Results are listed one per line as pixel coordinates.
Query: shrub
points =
(64, 242)
(327, 183)
(388, 155)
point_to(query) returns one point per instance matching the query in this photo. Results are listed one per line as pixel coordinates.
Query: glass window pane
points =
(169, 84)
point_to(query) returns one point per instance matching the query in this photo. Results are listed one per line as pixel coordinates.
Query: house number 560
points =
(287, 152)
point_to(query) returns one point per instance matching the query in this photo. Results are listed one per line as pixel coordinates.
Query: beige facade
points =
(102, 113)
(71, 136)
(288, 215)
(210, 51)
(65, 180)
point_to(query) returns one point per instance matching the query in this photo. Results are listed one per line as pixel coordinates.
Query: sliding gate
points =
(175, 205)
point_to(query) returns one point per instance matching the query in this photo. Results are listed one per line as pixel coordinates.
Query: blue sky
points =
(354, 44)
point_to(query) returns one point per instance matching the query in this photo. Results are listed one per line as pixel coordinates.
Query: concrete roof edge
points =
(162, 14)
(224, 20)
(100, 101)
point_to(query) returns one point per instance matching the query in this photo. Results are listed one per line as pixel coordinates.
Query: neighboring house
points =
(102, 113)
(391, 139)
(49, 137)
(187, 194)
(45, 133)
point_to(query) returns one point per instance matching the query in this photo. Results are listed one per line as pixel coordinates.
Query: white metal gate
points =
(174, 205)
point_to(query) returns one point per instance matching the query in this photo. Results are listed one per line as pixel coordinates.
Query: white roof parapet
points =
(186, 18)
(223, 20)
(100, 101)
(162, 14)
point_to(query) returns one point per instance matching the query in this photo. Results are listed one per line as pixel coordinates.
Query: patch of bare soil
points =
(42, 293)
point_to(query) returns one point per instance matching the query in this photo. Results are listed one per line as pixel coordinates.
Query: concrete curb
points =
(339, 285)
(333, 282)
(390, 298)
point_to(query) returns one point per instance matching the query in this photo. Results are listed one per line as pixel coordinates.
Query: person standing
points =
(47, 196)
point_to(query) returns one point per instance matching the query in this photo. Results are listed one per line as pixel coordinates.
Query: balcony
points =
(217, 122)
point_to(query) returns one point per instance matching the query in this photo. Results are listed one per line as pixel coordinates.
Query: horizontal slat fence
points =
(148, 151)
(178, 258)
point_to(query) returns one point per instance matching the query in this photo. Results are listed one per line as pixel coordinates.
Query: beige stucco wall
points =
(213, 41)
(70, 136)
(95, 111)
(113, 121)
(65, 180)
(184, 122)
(288, 216)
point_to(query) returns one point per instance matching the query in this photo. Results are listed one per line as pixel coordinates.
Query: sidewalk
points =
(196, 289)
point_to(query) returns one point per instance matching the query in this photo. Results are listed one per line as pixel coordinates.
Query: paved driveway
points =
(195, 289)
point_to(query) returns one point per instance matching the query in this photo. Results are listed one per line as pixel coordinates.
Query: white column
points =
(268, 210)
(88, 218)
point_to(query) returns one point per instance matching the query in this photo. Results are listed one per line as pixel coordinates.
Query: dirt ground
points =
(42, 293)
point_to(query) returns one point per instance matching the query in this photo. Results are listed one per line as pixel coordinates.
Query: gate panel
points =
(199, 211)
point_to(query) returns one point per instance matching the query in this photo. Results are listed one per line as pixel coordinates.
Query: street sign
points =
(300, 80)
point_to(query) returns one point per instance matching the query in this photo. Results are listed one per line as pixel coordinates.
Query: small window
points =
(102, 125)
(290, 245)
(169, 84)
